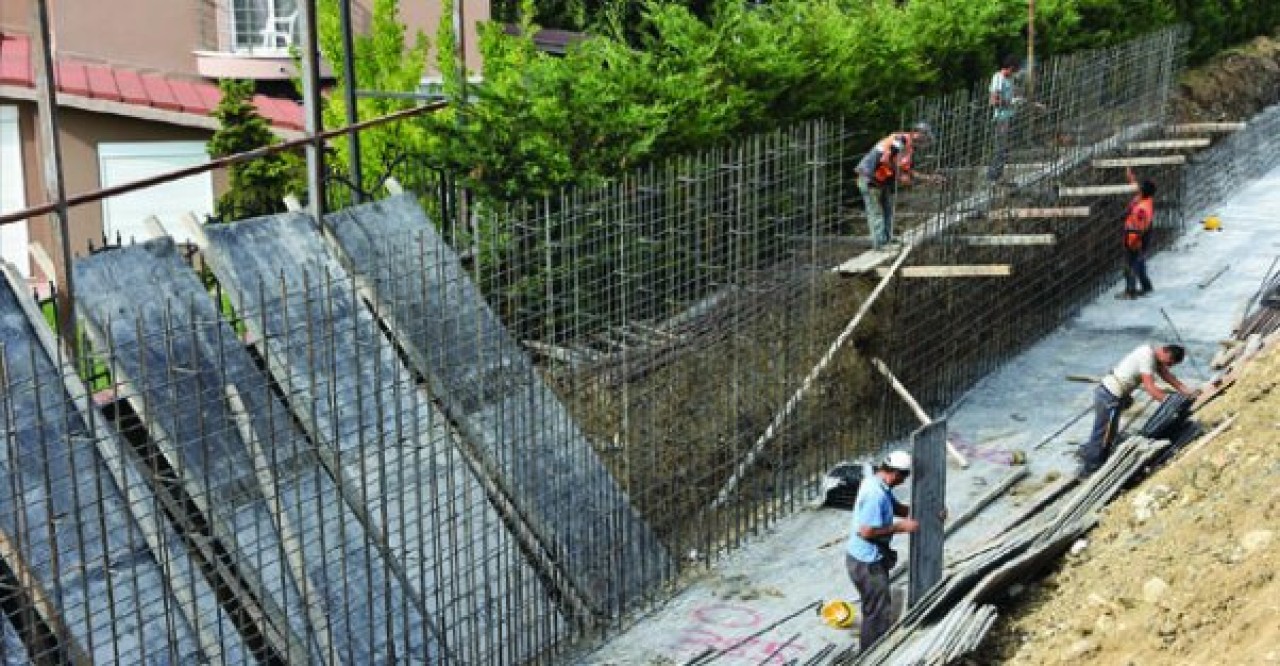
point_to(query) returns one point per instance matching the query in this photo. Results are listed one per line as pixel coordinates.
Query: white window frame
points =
(271, 32)
(14, 237)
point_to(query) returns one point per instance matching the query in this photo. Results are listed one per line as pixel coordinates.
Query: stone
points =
(1154, 590)
(1079, 650)
(1256, 540)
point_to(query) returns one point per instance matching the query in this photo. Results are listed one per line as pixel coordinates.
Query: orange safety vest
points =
(886, 169)
(1137, 222)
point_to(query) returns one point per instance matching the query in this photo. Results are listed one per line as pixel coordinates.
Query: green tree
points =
(384, 61)
(256, 187)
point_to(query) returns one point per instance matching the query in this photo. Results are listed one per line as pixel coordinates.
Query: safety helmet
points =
(838, 613)
(899, 460)
(1212, 223)
(924, 128)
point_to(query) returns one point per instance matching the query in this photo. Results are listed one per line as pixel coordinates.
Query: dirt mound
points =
(1182, 569)
(1235, 85)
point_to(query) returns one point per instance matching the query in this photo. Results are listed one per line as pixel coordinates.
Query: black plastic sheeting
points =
(322, 342)
(356, 610)
(76, 516)
(493, 392)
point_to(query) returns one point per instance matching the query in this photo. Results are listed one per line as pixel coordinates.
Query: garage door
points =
(13, 237)
(125, 162)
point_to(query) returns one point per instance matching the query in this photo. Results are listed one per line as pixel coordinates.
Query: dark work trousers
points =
(872, 581)
(1106, 419)
(1002, 138)
(1135, 272)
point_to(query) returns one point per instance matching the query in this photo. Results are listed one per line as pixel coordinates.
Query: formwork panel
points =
(348, 387)
(488, 386)
(358, 609)
(928, 506)
(82, 533)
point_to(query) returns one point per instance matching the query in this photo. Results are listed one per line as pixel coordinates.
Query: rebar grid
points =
(485, 434)
(1078, 112)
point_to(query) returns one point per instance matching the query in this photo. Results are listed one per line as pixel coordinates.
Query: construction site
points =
(598, 428)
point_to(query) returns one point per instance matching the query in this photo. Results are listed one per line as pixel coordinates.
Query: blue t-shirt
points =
(873, 508)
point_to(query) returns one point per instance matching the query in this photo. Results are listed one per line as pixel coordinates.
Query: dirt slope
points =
(1182, 569)
(1235, 85)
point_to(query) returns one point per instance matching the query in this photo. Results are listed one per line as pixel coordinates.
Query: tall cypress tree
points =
(257, 187)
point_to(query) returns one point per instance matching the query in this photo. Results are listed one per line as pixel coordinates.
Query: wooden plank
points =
(43, 606)
(42, 261)
(1097, 190)
(1125, 162)
(1030, 213)
(867, 261)
(294, 542)
(785, 413)
(1008, 239)
(916, 409)
(974, 270)
(1170, 144)
(1194, 128)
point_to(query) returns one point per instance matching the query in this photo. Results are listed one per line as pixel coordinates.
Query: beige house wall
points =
(164, 35)
(81, 133)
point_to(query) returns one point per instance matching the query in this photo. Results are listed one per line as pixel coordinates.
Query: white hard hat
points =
(899, 460)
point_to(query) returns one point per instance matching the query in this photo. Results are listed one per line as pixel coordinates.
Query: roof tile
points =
(15, 61)
(72, 78)
(159, 93)
(131, 89)
(185, 93)
(209, 95)
(102, 83)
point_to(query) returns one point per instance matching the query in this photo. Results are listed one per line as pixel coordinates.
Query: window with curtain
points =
(264, 25)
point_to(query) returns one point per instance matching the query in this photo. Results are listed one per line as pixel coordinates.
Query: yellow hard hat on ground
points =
(1212, 223)
(837, 613)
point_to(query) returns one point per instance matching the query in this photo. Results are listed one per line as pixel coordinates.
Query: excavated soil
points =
(1183, 568)
(1235, 85)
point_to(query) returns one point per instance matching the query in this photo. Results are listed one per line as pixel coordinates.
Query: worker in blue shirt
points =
(877, 516)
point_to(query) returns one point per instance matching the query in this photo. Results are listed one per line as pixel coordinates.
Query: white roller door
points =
(13, 236)
(125, 162)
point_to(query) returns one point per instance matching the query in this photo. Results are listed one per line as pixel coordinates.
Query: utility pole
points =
(349, 98)
(314, 119)
(54, 185)
(1031, 49)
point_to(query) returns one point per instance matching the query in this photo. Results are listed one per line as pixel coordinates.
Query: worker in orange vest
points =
(881, 170)
(1137, 228)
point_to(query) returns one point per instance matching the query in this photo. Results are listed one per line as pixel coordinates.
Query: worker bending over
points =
(1114, 394)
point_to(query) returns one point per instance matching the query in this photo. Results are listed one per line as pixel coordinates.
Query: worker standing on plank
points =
(1003, 101)
(1114, 394)
(877, 516)
(882, 169)
(1137, 227)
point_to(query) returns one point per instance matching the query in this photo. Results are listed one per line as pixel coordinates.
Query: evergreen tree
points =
(256, 187)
